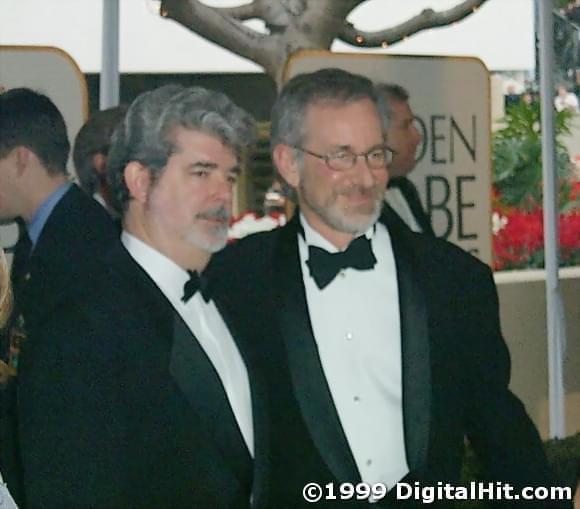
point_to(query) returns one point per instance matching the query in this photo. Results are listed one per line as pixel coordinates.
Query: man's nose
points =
(223, 188)
(364, 173)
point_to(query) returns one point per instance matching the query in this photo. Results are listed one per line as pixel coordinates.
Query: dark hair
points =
(146, 133)
(335, 85)
(95, 138)
(31, 120)
(390, 92)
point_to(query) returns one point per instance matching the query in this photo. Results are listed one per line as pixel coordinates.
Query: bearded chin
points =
(210, 242)
(350, 225)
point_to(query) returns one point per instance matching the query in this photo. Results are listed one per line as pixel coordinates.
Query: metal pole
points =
(109, 81)
(556, 326)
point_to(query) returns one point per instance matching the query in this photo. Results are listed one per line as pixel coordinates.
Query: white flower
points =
(249, 224)
(498, 222)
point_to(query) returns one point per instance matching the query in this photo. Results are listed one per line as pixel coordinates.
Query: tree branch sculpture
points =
(293, 25)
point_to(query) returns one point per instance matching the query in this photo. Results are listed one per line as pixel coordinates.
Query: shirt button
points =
(356, 399)
(369, 463)
(349, 335)
(342, 273)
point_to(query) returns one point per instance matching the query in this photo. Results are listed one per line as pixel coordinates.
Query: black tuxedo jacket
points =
(120, 407)
(456, 366)
(71, 244)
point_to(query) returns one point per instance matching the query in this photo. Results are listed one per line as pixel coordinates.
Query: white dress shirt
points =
(398, 203)
(206, 324)
(356, 325)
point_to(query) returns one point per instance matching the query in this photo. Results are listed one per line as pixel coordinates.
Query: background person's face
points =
(191, 202)
(403, 137)
(345, 202)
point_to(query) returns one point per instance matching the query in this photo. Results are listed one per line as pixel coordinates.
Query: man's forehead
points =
(182, 138)
(336, 113)
(336, 105)
(177, 133)
(339, 118)
(198, 149)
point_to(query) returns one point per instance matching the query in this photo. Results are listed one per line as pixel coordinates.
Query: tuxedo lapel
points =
(198, 380)
(259, 395)
(414, 342)
(189, 366)
(310, 385)
(411, 195)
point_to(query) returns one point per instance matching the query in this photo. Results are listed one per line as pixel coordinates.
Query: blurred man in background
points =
(90, 151)
(63, 235)
(404, 138)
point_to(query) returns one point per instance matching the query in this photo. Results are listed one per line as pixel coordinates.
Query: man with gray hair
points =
(404, 138)
(142, 397)
(392, 339)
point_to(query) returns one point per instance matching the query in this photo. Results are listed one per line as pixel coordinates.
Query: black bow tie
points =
(324, 266)
(197, 282)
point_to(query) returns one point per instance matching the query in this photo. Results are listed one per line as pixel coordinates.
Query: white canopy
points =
(501, 33)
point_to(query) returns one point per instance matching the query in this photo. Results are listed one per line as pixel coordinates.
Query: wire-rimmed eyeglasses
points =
(376, 158)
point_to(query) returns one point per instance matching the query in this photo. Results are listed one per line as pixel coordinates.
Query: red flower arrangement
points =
(570, 238)
(518, 241)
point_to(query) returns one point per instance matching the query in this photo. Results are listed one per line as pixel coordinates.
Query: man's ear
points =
(22, 156)
(100, 163)
(138, 181)
(285, 160)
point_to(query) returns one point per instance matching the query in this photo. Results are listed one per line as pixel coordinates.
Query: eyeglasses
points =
(343, 160)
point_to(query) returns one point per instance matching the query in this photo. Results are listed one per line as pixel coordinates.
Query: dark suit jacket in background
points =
(411, 196)
(456, 365)
(73, 240)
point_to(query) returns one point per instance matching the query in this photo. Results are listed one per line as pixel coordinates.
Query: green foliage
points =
(561, 4)
(517, 156)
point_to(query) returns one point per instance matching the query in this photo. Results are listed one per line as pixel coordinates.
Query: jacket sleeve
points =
(498, 427)
(71, 425)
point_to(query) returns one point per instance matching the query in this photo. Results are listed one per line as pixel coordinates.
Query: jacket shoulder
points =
(254, 249)
(81, 211)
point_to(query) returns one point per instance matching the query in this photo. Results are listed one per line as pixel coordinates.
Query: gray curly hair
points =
(145, 135)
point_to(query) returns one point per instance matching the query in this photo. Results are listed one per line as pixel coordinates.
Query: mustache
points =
(374, 191)
(216, 213)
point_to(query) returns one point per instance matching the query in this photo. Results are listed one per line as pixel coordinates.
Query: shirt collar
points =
(168, 276)
(313, 238)
(40, 217)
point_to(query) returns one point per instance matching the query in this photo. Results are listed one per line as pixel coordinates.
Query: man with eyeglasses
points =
(391, 339)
